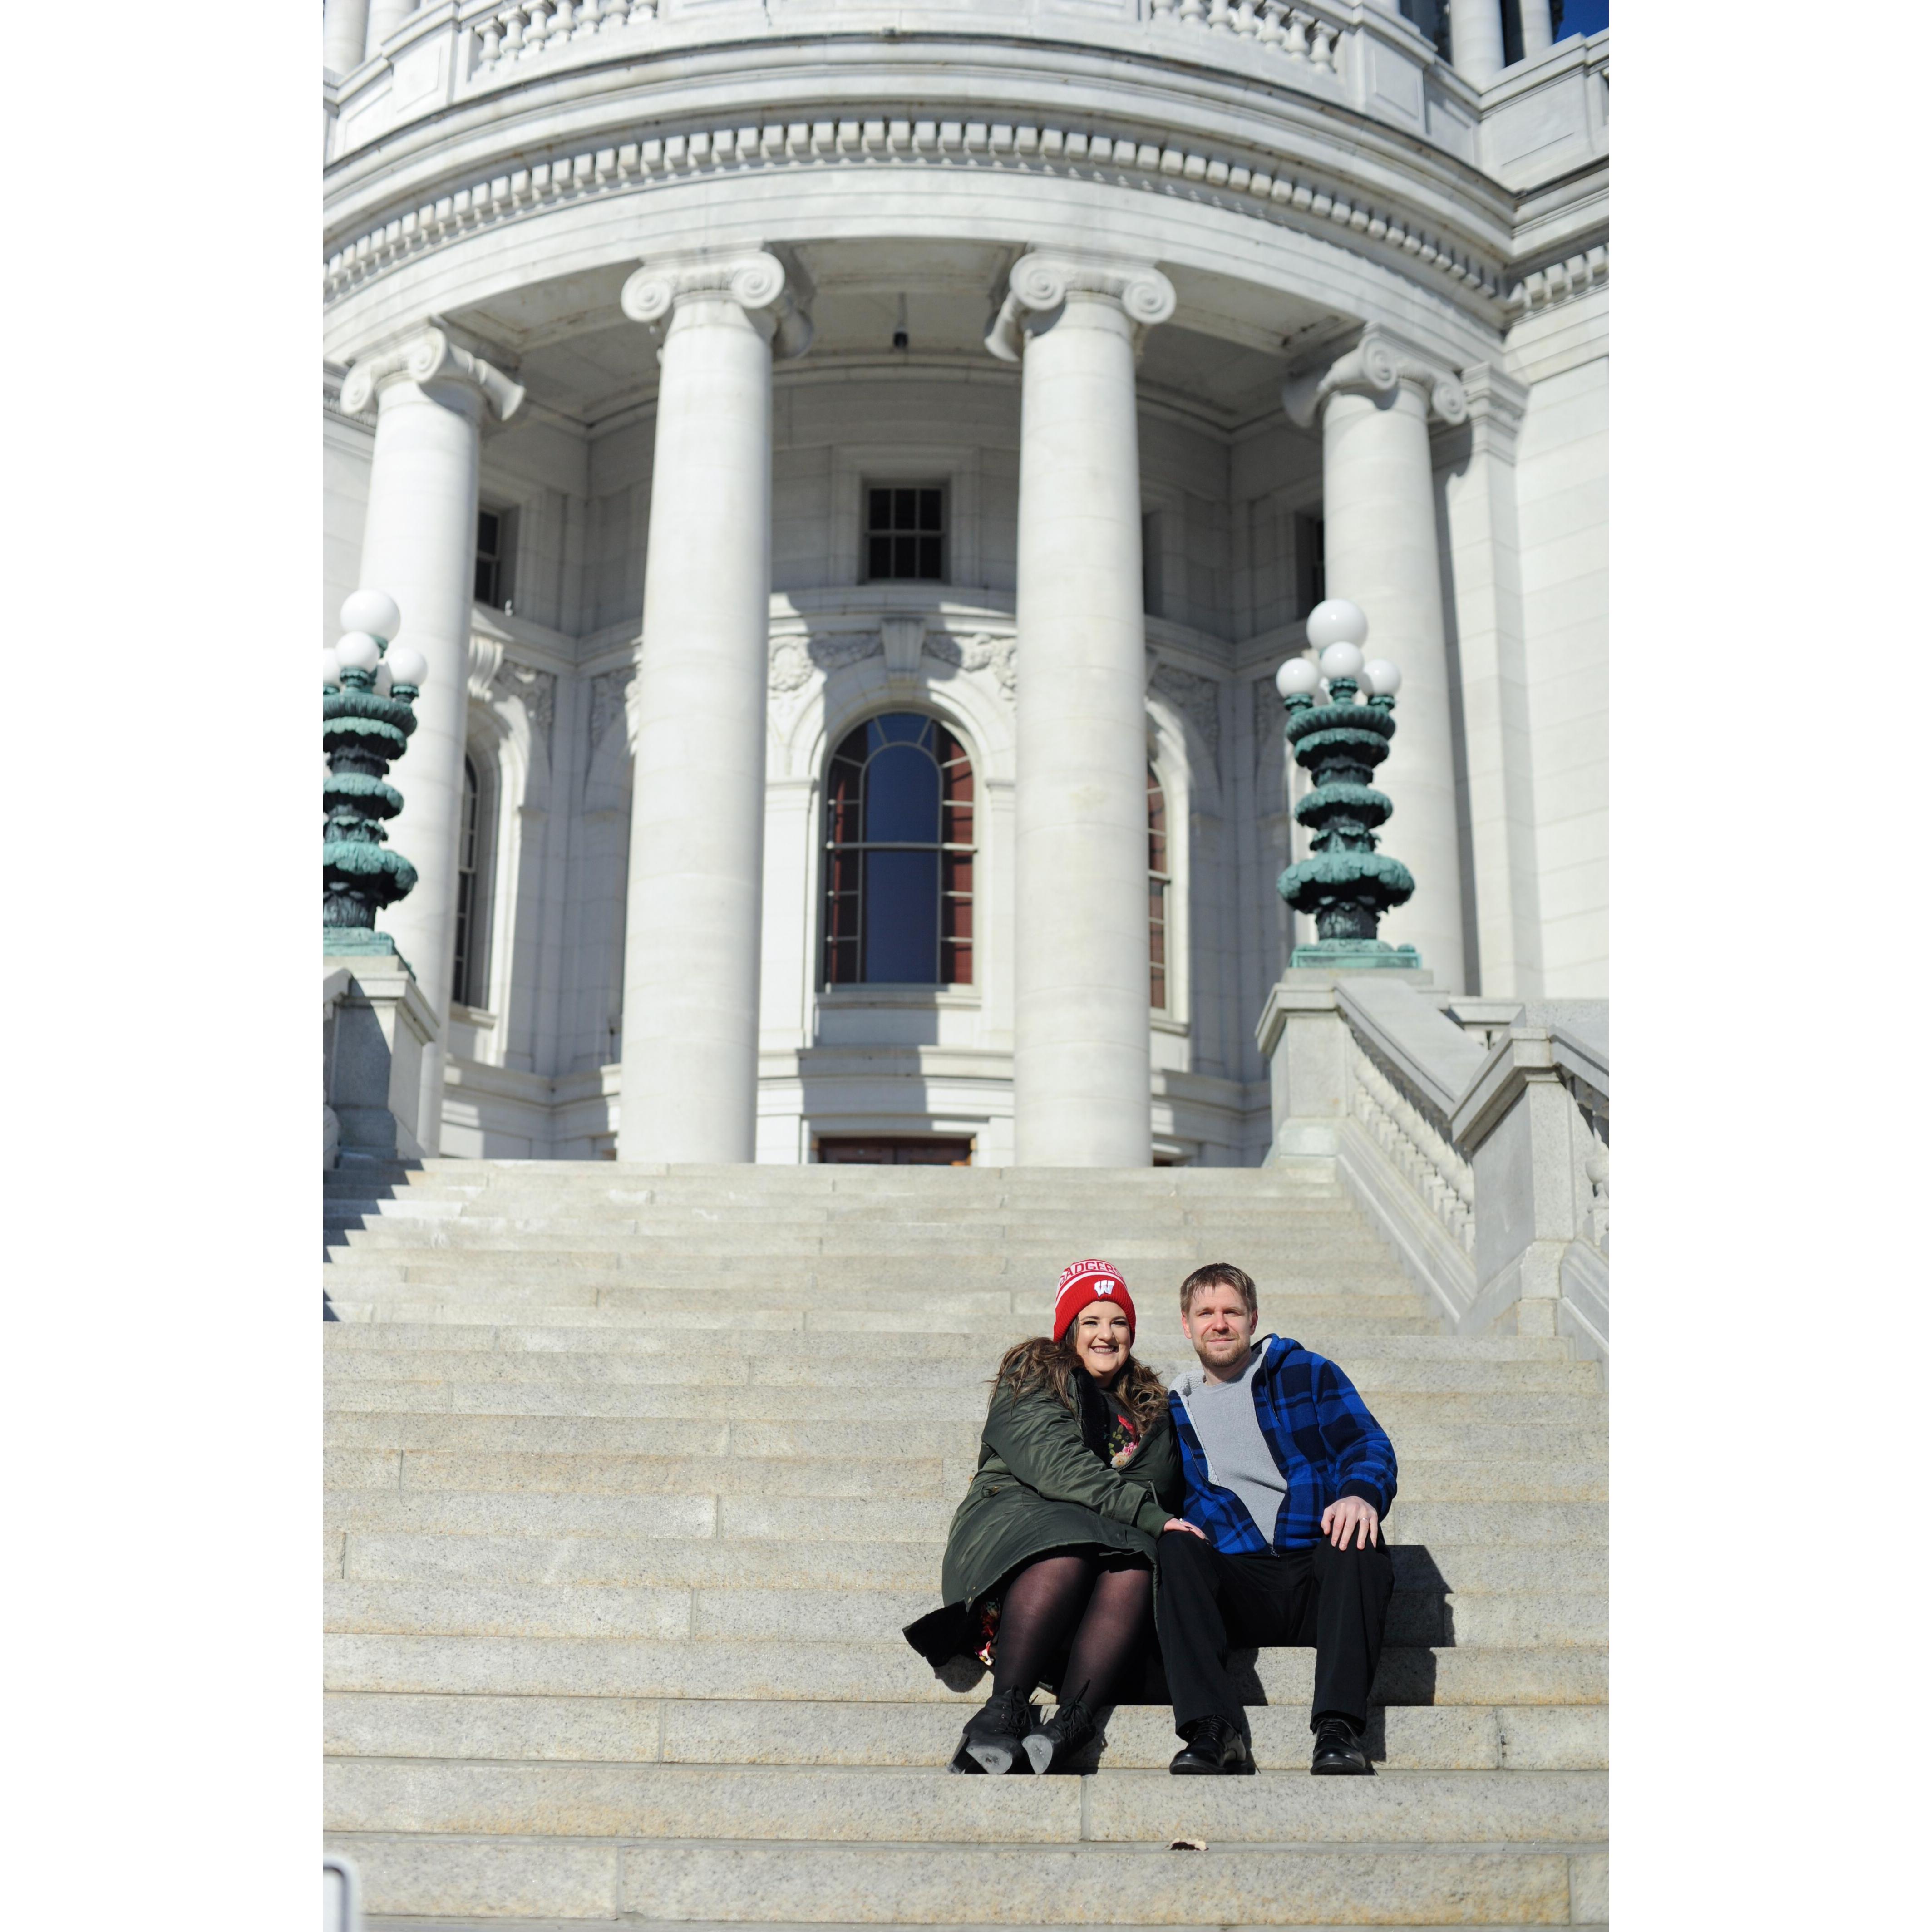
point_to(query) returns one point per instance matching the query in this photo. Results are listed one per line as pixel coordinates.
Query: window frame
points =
(951, 946)
(502, 561)
(867, 483)
(1160, 877)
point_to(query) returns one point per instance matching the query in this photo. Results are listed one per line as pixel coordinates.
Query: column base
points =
(1353, 955)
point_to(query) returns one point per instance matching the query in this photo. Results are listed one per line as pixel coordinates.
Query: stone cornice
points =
(1040, 282)
(425, 356)
(755, 279)
(1379, 360)
(1298, 201)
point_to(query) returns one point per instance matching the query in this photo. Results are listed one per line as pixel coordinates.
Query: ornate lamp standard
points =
(366, 718)
(1345, 884)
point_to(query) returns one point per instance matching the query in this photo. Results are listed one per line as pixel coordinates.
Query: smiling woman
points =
(1048, 1572)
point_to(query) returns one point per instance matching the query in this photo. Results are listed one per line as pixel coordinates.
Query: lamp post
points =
(366, 718)
(1345, 884)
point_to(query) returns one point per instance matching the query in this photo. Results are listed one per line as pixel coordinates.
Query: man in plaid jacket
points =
(1288, 1478)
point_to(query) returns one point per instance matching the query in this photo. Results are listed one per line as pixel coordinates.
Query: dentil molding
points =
(1028, 151)
(1040, 282)
(1379, 360)
(755, 279)
(428, 355)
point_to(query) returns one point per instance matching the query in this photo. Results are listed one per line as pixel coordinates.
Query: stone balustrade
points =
(1299, 33)
(506, 35)
(1475, 1132)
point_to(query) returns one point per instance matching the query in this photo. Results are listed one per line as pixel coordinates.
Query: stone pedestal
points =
(378, 1033)
(1080, 1038)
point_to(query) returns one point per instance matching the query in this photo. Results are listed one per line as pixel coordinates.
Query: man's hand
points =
(1350, 1516)
(1181, 1523)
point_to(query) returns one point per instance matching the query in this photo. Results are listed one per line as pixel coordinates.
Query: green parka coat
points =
(1044, 1482)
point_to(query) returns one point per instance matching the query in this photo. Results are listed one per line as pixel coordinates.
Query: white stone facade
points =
(1179, 283)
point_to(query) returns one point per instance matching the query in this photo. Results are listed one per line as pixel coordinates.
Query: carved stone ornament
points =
(536, 690)
(428, 356)
(1197, 698)
(486, 659)
(980, 652)
(610, 695)
(754, 279)
(1379, 360)
(1041, 282)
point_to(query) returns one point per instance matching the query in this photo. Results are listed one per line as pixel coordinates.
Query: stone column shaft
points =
(1378, 511)
(691, 963)
(419, 545)
(345, 29)
(1080, 1027)
(1538, 35)
(1476, 39)
(385, 17)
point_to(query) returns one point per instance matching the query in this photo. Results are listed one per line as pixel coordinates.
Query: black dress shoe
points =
(1215, 1749)
(991, 1739)
(1339, 1752)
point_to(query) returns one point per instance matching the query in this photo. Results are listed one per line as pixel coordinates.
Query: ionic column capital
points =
(1377, 362)
(754, 278)
(1040, 282)
(428, 355)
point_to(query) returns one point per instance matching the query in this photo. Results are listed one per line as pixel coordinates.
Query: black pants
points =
(1208, 1604)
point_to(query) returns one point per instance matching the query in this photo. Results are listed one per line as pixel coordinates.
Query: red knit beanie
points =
(1086, 1282)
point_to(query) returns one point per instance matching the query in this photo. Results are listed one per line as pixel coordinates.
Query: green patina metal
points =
(1344, 885)
(364, 732)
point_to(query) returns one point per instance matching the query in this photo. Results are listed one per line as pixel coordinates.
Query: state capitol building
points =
(854, 471)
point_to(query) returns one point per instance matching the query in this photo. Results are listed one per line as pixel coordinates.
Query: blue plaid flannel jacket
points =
(1325, 1443)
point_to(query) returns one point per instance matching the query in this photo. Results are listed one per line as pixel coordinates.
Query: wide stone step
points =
(629, 1730)
(526, 1354)
(776, 1563)
(366, 1317)
(887, 1671)
(908, 1804)
(952, 1389)
(550, 1882)
(755, 1516)
(832, 1617)
(704, 1467)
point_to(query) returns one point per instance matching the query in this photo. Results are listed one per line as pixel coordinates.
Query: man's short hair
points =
(1219, 1274)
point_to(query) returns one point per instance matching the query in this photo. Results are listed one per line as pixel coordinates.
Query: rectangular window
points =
(1311, 562)
(495, 554)
(1150, 563)
(905, 533)
(1158, 881)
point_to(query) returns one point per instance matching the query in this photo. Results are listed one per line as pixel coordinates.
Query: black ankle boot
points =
(991, 1739)
(1064, 1736)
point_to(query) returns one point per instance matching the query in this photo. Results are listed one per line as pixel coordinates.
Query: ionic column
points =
(1538, 35)
(345, 30)
(691, 940)
(419, 545)
(1476, 39)
(1378, 508)
(1081, 1070)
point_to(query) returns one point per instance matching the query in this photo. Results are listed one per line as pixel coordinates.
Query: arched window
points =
(898, 856)
(466, 979)
(1159, 880)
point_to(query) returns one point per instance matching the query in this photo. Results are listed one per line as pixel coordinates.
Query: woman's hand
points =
(1181, 1523)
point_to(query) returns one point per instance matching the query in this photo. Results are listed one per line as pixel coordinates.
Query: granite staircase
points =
(634, 1474)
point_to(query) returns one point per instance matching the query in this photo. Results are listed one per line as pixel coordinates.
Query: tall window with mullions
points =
(1159, 880)
(898, 856)
(466, 969)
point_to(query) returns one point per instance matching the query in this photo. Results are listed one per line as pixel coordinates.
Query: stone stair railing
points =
(1476, 1132)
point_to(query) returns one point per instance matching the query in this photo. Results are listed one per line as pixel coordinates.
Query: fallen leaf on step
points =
(1189, 1845)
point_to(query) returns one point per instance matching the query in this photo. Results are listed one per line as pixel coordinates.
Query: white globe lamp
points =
(1341, 660)
(1383, 678)
(1298, 678)
(373, 611)
(357, 650)
(407, 665)
(332, 671)
(1336, 621)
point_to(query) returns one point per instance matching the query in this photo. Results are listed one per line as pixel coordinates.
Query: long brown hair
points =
(1040, 1362)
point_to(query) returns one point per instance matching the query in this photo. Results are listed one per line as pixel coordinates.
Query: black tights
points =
(1108, 1595)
